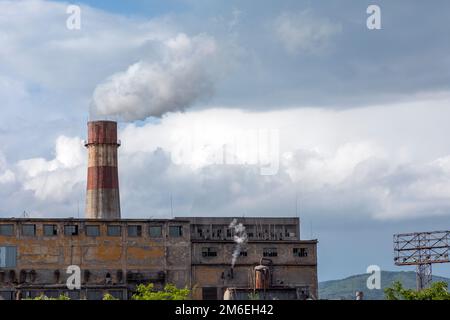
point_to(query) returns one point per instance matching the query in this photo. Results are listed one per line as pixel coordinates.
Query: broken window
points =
(50, 230)
(270, 252)
(114, 231)
(175, 231)
(134, 231)
(155, 231)
(209, 252)
(71, 230)
(93, 231)
(300, 252)
(6, 229)
(29, 230)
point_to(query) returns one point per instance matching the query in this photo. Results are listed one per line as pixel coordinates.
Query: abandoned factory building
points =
(114, 255)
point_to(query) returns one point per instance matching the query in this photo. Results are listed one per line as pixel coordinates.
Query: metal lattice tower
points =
(422, 249)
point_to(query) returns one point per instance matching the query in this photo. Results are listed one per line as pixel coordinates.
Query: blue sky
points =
(360, 115)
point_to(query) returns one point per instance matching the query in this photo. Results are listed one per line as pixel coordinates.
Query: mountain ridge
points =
(345, 289)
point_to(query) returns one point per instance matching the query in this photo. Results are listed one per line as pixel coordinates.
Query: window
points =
(114, 231)
(209, 252)
(50, 230)
(51, 293)
(209, 293)
(71, 230)
(270, 252)
(29, 230)
(243, 253)
(6, 229)
(118, 294)
(155, 231)
(92, 231)
(6, 295)
(134, 231)
(73, 294)
(94, 295)
(175, 231)
(8, 257)
(300, 252)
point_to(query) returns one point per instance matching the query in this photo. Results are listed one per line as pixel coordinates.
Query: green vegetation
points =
(170, 292)
(44, 297)
(143, 292)
(346, 288)
(253, 296)
(108, 296)
(437, 291)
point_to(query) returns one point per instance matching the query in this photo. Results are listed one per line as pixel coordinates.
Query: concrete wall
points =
(39, 257)
(288, 270)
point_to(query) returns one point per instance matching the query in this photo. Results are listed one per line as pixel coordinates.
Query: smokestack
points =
(102, 196)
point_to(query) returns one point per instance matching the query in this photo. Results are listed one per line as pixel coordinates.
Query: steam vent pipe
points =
(102, 196)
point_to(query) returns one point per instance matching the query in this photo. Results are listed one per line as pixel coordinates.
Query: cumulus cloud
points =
(6, 175)
(181, 78)
(304, 32)
(56, 179)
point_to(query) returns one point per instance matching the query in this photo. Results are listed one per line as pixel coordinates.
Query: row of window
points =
(50, 230)
(267, 252)
(204, 232)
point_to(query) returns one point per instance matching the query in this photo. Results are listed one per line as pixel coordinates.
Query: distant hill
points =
(346, 288)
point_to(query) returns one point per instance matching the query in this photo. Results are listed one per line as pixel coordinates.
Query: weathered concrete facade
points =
(115, 255)
(294, 261)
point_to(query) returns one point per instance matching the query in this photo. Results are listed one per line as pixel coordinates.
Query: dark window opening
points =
(71, 230)
(155, 231)
(114, 231)
(300, 252)
(50, 230)
(134, 231)
(209, 293)
(243, 253)
(6, 229)
(175, 231)
(209, 252)
(29, 230)
(270, 252)
(94, 295)
(93, 231)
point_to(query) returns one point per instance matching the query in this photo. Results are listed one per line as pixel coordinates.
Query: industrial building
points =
(115, 254)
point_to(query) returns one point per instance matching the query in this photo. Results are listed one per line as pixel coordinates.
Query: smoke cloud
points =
(240, 238)
(181, 77)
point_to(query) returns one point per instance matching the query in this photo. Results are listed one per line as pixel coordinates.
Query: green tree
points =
(170, 292)
(437, 291)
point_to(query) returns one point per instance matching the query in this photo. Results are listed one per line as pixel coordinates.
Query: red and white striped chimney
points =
(102, 196)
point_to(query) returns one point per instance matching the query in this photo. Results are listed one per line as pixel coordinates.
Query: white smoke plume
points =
(240, 238)
(181, 77)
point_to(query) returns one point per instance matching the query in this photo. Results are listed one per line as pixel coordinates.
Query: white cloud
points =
(304, 32)
(56, 179)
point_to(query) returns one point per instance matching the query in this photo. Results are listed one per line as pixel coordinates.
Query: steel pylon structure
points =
(422, 249)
